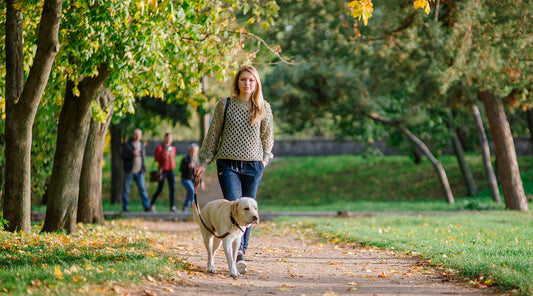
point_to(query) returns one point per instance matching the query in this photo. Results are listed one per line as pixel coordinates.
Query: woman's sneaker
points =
(241, 264)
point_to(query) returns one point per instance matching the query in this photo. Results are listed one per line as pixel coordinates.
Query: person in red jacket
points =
(164, 154)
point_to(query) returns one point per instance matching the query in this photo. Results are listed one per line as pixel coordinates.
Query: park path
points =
(291, 263)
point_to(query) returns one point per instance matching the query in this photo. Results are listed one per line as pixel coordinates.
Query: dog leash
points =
(197, 207)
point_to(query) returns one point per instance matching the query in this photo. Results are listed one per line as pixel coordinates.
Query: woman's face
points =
(168, 140)
(246, 83)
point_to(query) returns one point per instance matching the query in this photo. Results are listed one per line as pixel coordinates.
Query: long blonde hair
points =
(257, 106)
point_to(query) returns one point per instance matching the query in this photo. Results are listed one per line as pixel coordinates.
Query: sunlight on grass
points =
(356, 183)
(488, 248)
(61, 264)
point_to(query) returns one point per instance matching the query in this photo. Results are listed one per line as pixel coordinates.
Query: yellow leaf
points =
(57, 272)
(422, 4)
(362, 9)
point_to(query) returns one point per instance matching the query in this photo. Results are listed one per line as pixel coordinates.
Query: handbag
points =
(155, 176)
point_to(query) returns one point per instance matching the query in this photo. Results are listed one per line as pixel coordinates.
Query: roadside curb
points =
(187, 216)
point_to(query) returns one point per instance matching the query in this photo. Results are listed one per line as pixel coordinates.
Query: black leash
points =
(211, 230)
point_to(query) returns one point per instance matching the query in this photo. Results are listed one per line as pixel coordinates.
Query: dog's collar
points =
(235, 223)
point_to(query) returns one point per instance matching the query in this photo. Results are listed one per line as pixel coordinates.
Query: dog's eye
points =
(246, 209)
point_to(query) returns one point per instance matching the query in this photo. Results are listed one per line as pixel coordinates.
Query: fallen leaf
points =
(383, 275)
(57, 272)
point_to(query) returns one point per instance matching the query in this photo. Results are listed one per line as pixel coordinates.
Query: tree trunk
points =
(436, 164)
(507, 163)
(204, 118)
(417, 154)
(22, 102)
(467, 175)
(460, 154)
(117, 174)
(72, 132)
(90, 209)
(485, 151)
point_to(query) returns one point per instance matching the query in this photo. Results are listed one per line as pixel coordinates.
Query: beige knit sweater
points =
(239, 140)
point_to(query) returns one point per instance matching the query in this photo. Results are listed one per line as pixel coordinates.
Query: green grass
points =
(488, 248)
(348, 182)
(355, 183)
(86, 263)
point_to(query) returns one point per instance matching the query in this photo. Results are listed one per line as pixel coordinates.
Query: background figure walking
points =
(133, 154)
(188, 165)
(164, 154)
(240, 138)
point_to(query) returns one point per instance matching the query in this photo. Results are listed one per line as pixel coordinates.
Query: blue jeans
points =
(239, 178)
(139, 179)
(167, 175)
(189, 198)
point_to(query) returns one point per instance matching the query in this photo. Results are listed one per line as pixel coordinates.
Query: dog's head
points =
(244, 211)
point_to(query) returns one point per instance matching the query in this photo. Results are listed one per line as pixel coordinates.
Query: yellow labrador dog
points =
(224, 221)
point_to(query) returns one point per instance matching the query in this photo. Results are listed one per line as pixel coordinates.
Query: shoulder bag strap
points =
(223, 126)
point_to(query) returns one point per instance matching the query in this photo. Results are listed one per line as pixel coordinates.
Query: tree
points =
(491, 49)
(513, 190)
(485, 152)
(140, 61)
(22, 101)
(90, 209)
(345, 80)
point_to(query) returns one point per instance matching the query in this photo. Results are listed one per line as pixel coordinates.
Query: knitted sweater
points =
(239, 140)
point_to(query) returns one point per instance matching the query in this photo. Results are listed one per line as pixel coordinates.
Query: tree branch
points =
(407, 22)
(274, 51)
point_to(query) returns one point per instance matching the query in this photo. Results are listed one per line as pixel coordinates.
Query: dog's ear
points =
(234, 207)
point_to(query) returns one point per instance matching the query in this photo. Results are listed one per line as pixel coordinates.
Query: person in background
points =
(164, 154)
(133, 155)
(188, 165)
(240, 140)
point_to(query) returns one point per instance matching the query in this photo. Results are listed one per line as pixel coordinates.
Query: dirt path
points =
(290, 264)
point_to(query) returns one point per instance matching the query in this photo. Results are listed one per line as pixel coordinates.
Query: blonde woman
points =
(241, 144)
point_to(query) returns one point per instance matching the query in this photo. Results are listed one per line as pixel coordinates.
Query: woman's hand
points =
(199, 171)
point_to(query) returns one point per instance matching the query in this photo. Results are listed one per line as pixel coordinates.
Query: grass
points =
(492, 246)
(488, 248)
(348, 182)
(355, 183)
(89, 262)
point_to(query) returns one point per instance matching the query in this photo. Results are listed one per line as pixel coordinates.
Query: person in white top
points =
(240, 138)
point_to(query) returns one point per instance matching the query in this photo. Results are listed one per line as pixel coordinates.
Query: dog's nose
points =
(255, 218)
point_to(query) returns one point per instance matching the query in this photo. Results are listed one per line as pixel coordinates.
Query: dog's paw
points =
(211, 269)
(234, 274)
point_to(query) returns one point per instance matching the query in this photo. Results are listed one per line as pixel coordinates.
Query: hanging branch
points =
(274, 51)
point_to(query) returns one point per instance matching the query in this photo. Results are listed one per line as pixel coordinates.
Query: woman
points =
(241, 143)
(164, 154)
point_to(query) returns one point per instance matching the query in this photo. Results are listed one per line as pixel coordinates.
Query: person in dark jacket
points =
(133, 154)
(188, 165)
(164, 155)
